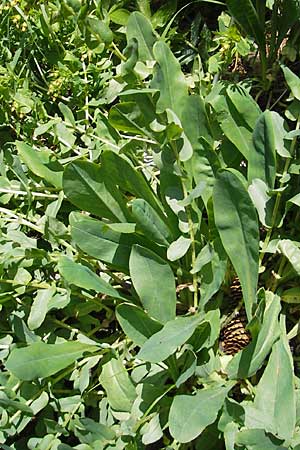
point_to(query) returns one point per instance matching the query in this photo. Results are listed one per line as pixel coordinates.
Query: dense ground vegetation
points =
(149, 212)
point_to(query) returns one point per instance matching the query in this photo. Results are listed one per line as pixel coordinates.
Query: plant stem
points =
(24, 193)
(191, 232)
(117, 52)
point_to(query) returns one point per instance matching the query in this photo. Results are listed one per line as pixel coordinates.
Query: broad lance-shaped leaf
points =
(191, 414)
(40, 360)
(126, 116)
(262, 161)
(244, 104)
(136, 324)
(178, 248)
(236, 221)
(246, 362)
(274, 407)
(86, 188)
(40, 307)
(82, 276)
(123, 174)
(168, 79)
(153, 227)
(194, 106)
(154, 283)
(118, 385)
(100, 30)
(99, 241)
(140, 28)
(39, 163)
(174, 334)
(231, 121)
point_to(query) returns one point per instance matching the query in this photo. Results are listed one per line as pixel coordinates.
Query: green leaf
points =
(40, 360)
(128, 117)
(212, 274)
(151, 431)
(40, 307)
(136, 324)
(84, 277)
(152, 226)
(64, 135)
(39, 164)
(245, 363)
(86, 188)
(264, 204)
(293, 81)
(204, 257)
(195, 193)
(22, 277)
(178, 248)
(191, 414)
(199, 134)
(93, 431)
(168, 79)
(258, 440)
(174, 334)
(291, 295)
(244, 104)
(118, 385)
(67, 113)
(262, 161)
(139, 28)
(128, 178)
(147, 270)
(194, 106)
(119, 16)
(293, 110)
(7, 404)
(100, 30)
(236, 221)
(274, 407)
(98, 240)
(174, 130)
(230, 120)
(281, 134)
(292, 252)
(232, 413)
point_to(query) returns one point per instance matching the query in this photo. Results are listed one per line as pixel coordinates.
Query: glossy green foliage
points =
(154, 283)
(262, 161)
(190, 415)
(40, 360)
(237, 224)
(87, 187)
(149, 244)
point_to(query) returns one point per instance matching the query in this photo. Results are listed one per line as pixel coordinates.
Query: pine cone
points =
(234, 336)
